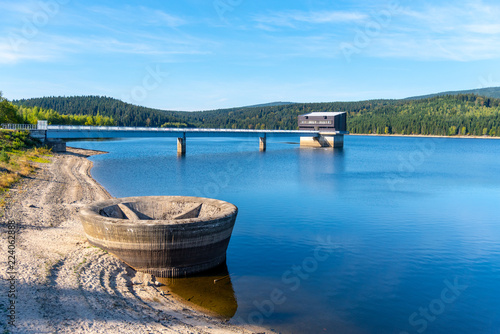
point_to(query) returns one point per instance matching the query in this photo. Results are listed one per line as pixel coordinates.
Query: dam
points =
(321, 129)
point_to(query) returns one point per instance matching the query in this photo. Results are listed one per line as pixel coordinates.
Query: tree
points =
(452, 130)
(8, 112)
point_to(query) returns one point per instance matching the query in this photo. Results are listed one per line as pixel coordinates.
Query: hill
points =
(447, 115)
(442, 114)
(276, 116)
(271, 104)
(123, 114)
(487, 92)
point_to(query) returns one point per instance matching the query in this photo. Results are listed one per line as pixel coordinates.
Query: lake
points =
(388, 235)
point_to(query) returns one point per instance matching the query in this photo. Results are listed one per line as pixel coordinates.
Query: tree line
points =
(123, 114)
(33, 115)
(449, 115)
(459, 114)
(10, 113)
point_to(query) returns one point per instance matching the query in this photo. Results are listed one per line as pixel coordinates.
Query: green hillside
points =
(487, 92)
(464, 114)
(442, 115)
(281, 116)
(123, 114)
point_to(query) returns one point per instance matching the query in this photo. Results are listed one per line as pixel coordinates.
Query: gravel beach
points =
(65, 285)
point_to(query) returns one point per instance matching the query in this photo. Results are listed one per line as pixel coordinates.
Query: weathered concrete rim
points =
(92, 211)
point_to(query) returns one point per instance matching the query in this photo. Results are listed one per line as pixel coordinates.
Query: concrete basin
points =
(167, 236)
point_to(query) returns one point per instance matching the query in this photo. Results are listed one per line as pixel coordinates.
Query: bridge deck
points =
(68, 131)
(44, 132)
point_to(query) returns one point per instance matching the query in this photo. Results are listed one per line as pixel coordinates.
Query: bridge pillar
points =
(323, 140)
(181, 145)
(335, 141)
(39, 134)
(262, 143)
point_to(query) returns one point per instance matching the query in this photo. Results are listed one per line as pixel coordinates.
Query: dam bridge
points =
(55, 134)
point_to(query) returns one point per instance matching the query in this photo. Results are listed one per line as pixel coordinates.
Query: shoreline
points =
(422, 136)
(62, 283)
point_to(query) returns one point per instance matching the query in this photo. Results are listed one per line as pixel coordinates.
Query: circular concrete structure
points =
(167, 236)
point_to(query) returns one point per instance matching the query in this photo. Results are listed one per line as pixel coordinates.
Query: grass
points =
(79, 266)
(19, 154)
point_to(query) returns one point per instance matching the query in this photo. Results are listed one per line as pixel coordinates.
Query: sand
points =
(65, 285)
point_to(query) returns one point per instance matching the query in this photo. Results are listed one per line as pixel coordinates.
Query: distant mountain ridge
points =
(488, 92)
(270, 104)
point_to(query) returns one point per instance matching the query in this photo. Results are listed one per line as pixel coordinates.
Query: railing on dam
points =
(177, 130)
(19, 126)
(308, 138)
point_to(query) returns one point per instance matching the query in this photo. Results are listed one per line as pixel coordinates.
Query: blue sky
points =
(208, 54)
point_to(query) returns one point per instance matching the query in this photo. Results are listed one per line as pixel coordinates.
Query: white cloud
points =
(22, 8)
(162, 18)
(484, 28)
(52, 47)
(141, 16)
(97, 30)
(13, 55)
(291, 19)
(464, 31)
(467, 30)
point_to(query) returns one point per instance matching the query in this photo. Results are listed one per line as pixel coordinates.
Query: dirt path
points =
(63, 284)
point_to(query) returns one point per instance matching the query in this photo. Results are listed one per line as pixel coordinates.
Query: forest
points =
(10, 113)
(445, 115)
(32, 115)
(123, 114)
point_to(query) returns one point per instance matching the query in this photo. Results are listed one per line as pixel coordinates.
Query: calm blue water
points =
(388, 235)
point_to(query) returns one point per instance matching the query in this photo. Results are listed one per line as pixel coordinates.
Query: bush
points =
(17, 144)
(4, 157)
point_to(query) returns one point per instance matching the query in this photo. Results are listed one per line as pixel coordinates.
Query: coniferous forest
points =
(444, 115)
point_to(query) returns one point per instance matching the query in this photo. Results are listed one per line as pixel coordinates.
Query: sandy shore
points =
(64, 284)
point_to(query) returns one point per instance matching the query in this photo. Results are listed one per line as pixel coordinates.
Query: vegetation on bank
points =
(10, 113)
(18, 153)
(443, 115)
(122, 114)
(33, 115)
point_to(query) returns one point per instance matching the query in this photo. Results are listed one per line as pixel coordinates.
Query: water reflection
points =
(211, 291)
(318, 166)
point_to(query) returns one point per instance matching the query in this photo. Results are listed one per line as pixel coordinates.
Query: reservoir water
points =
(388, 235)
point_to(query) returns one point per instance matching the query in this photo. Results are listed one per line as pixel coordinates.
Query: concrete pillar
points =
(181, 145)
(336, 141)
(262, 143)
(39, 134)
(310, 142)
(333, 141)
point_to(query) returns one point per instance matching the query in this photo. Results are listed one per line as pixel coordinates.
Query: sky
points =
(210, 54)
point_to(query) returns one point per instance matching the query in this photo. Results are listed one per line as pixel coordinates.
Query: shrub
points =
(4, 157)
